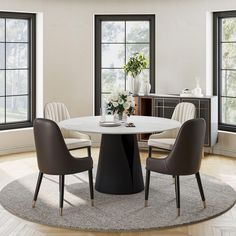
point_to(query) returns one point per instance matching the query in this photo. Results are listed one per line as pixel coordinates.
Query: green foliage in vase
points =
(136, 64)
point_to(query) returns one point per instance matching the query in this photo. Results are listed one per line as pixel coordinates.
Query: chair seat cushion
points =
(73, 143)
(163, 143)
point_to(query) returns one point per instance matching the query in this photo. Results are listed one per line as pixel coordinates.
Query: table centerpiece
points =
(120, 103)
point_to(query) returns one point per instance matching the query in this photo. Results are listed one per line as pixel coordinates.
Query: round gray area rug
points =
(114, 212)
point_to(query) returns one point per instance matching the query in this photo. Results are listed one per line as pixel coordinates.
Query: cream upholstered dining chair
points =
(57, 112)
(183, 111)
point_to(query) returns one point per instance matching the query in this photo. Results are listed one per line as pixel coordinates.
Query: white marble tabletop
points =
(143, 124)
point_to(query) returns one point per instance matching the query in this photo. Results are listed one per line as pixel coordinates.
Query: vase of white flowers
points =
(120, 103)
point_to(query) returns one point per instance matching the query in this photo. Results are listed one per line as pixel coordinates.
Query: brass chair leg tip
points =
(61, 211)
(33, 204)
(92, 202)
(204, 204)
(178, 211)
(146, 203)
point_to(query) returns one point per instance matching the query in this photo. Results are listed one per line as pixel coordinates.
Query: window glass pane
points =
(113, 31)
(2, 82)
(17, 55)
(228, 83)
(2, 55)
(228, 114)
(16, 108)
(16, 30)
(113, 55)
(112, 80)
(104, 99)
(2, 30)
(2, 110)
(228, 55)
(137, 48)
(17, 82)
(229, 29)
(137, 31)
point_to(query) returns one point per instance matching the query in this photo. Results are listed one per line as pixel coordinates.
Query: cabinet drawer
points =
(158, 102)
(171, 102)
(165, 112)
(159, 111)
(204, 104)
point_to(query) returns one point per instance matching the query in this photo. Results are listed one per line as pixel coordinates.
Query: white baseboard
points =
(16, 149)
(225, 152)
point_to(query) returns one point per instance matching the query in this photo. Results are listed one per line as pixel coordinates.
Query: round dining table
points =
(119, 167)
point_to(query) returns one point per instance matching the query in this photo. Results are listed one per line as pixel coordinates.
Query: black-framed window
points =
(17, 69)
(117, 37)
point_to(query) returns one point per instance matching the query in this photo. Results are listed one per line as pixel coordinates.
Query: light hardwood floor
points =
(18, 165)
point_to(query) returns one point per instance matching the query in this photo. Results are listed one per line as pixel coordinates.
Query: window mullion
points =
(125, 56)
(5, 75)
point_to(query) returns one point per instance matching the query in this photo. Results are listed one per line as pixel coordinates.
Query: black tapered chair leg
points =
(39, 181)
(148, 172)
(61, 190)
(89, 151)
(199, 182)
(149, 151)
(177, 193)
(173, 176)
(90, 173)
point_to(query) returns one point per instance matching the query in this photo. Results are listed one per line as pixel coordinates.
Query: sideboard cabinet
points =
(164, 105)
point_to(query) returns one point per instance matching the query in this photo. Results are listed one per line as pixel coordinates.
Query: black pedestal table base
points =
(119, 168)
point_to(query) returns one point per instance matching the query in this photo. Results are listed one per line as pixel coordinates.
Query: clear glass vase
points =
(120, 117)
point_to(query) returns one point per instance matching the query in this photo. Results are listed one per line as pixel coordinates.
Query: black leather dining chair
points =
(55, 159)
(184, 158)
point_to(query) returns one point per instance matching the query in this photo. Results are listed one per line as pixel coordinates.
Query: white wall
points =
(68, 48)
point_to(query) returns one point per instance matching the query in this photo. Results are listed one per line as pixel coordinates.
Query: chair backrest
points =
(56, 111)
(185, 157)
(184, 111)
(52, 154)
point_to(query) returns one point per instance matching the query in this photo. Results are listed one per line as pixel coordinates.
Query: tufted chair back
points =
(184, 111)
(56, 111)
